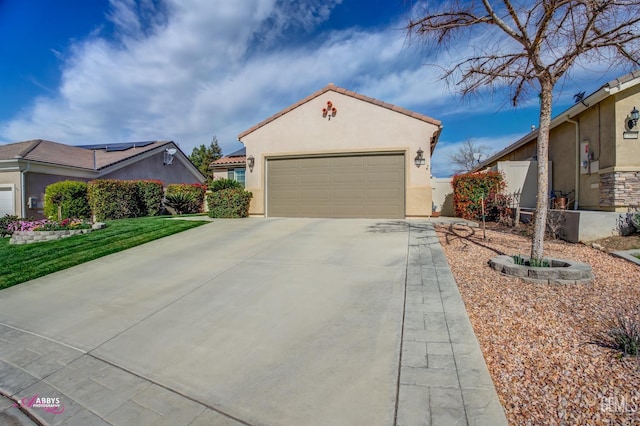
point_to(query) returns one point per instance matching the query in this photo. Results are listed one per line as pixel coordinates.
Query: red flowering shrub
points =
(469, 191)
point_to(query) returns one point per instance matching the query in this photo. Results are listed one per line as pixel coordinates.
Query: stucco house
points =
(232, 166)
(337, 153)
(594, 151)
(594, 162)
(26, 168)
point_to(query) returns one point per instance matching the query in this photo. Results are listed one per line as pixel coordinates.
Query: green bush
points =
(181, 202)
(66, 199)
(469, 190)
(115, 199)
(196, 191)
(5, 221)
(229, 203)
(150, 192)
(224, 183)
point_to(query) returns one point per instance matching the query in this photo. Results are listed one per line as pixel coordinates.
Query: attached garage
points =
(339, 154)
(345, 186)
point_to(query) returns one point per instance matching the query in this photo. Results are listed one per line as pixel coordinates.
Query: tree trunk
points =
(546, 94)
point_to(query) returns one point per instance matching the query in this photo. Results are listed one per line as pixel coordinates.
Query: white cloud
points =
(197, 68)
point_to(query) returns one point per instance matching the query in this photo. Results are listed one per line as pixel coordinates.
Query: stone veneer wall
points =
(620, 189)
(28, 237)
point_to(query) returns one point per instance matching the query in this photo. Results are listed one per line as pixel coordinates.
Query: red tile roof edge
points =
(229, 160)
(334, 88)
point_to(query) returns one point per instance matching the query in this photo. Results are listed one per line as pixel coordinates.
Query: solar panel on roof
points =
(121, 146)
(118, 147)
(238, 153)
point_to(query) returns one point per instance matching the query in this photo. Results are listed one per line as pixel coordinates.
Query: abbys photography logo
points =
(47, 404)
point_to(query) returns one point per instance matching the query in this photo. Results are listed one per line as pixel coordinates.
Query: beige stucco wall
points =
(358, 127)
(12, 180)
(220, 174)
(442, 193)
(627, 151)
(562, 154)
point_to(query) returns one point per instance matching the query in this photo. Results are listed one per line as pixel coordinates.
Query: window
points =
(237, 175)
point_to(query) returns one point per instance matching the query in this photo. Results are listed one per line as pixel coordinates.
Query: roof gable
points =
(333, 88)
(89, 157)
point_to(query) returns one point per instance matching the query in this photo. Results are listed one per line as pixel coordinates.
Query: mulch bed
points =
(536, 339)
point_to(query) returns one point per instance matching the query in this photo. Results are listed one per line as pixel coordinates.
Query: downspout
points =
(23, 193)
(577, 190)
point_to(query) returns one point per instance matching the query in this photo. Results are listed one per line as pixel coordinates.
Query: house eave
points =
(562, 118)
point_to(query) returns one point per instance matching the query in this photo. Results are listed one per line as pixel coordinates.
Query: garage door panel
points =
(342, 196)
(348, 162)
(340, 186)
(385, 161)
(311, 178)
(355, 180)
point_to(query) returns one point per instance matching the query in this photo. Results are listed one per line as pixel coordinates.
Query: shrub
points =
(115, 199)
(5, 223)
(197, 192)
(150, 192)
(66, 199)
(623, 334)
(629, 222)
(181, 202)
(229, 203)
(224, 183)
(469, 190)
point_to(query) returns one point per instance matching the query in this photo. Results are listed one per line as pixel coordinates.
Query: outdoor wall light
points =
(251, 162)
(329, 111)
(419, 160)
(633, 121)
(168, 155)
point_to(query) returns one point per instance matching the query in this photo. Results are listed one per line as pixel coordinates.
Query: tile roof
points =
(236, 157)
(229, 160)
(72, 156)
(333, 88)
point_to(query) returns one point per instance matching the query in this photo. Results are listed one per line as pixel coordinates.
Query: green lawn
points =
(26, 262)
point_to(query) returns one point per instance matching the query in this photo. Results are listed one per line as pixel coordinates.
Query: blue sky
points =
(96, 71)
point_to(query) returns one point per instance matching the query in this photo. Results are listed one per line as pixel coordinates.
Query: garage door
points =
(6, 201)
(354, 186)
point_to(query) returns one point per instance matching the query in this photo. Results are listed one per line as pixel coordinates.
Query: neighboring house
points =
(232, 166)
(26, 168)
(594, 151)
(337, 153)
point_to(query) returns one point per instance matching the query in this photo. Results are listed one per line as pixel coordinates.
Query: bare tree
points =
(530, 45)
(469, 155)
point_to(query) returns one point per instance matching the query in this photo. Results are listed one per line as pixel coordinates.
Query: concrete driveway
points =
(256, 321)
(279, 321)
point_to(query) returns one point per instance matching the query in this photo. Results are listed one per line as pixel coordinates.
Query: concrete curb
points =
(628, 255)
(10, 414)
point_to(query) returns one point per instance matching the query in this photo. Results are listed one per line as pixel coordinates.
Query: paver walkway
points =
(274, 322)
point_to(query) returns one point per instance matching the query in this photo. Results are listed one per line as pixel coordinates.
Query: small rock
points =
(597, 246)
(98, 225)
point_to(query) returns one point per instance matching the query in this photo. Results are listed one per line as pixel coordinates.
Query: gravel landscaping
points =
(536, 338)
